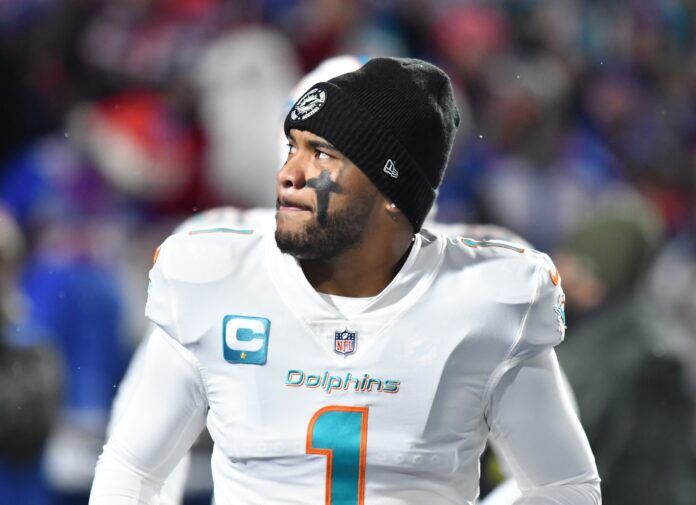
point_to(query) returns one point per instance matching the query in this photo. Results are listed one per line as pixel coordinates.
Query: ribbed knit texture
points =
(394, 109)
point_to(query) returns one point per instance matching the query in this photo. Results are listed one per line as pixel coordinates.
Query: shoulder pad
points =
(260, 219)
(544, 324)
(184, 264)
(205, 255)
(511, 275)
(501, 272)
(492, 245)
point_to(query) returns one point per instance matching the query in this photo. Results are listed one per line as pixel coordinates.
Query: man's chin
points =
(295, 244)
(291, 225)
(305, 239)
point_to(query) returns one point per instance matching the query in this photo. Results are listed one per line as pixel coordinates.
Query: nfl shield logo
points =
(344, 342)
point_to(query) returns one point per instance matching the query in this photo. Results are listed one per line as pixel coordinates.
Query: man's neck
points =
(364, 270)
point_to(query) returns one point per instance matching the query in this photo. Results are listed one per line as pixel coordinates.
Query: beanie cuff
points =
(374, 150)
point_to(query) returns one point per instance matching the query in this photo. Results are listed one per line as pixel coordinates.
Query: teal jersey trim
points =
(488, 243)
(221, 230)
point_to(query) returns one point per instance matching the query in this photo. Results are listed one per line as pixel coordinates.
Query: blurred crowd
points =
(123, 117)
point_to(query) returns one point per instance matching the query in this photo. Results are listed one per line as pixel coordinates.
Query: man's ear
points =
(391, 208)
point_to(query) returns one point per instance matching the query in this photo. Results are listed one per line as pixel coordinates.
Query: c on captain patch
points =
(245, 339)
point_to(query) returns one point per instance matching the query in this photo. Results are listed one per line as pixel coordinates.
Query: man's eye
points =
(322, 155)
(291, 149)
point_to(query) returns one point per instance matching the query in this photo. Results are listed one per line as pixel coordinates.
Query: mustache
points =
(290, 203)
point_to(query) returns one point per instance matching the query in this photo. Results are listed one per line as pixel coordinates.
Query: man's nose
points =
(292, 175)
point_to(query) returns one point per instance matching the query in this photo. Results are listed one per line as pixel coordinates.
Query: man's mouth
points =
(287, 206)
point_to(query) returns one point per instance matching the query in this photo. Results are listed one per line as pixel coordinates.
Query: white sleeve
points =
(162, 418)
(533, 423)
(172, 492)
(160, 307)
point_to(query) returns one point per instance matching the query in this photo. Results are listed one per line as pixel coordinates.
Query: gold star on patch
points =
(243, 355)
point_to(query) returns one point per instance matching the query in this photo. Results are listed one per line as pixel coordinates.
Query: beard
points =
(343, 230)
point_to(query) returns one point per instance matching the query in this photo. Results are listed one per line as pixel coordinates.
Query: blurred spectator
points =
(244, 79)
(149, 42)
(671, 286)
(30, 384)
(71, 291)
(631, 388)
(139, 144)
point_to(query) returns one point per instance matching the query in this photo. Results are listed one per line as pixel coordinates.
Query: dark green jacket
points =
(634, 404)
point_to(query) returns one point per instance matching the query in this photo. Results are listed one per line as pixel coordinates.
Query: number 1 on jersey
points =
(340, 434)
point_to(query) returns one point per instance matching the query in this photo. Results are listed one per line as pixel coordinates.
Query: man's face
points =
(324, 201)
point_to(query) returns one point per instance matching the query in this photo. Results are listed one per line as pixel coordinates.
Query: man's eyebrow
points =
(314, 144)
(321, 143)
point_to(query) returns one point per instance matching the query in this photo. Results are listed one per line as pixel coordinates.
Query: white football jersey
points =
(390, 404)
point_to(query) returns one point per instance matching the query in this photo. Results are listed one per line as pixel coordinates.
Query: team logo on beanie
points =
(308, 105)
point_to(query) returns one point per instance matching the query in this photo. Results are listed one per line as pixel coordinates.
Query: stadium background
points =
(120, 118)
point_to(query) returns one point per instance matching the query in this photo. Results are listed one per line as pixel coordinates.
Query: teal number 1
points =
(340, 434)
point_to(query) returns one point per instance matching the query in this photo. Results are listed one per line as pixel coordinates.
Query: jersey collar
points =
(414, 278)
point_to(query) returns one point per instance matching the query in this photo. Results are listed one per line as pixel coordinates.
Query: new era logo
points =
(390, 169)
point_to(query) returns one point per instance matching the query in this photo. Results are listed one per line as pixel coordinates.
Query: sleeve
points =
(533, 424)
(172, 492)
(544, 324)
(184, 267)
(160, 307)
(162, 418)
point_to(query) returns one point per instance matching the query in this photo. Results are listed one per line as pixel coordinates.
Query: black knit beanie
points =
(395, 119)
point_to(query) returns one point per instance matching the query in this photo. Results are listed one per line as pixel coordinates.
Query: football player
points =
(353, 357)
(263, 220)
